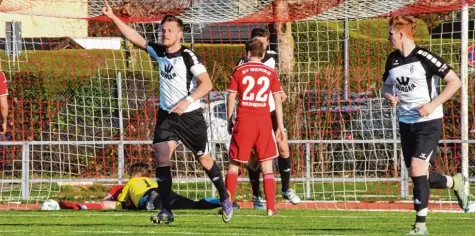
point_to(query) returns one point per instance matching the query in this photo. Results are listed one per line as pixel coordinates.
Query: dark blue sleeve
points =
(155, 50)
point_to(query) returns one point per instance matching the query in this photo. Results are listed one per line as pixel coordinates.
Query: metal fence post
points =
(308, 171)
(120, 146)
(213, 152)
(403, 178)
(25, 172)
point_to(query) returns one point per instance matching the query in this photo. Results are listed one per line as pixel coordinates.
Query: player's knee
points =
(163, 153)
(162, 160)
(206, 161)
(418, 167)
(284, 153)
(283, 149)
(234, 166)
(267, 167)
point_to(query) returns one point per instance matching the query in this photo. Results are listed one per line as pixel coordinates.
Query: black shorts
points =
(420, 140)
(189, 128)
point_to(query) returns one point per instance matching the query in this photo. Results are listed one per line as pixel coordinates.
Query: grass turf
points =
(245, 222)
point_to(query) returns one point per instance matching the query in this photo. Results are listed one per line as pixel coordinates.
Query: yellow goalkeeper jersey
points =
(134, 190)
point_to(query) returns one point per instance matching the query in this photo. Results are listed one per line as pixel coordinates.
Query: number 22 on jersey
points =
(256, 92)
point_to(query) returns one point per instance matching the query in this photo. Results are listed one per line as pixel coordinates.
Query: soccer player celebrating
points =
(409, 82)
(284, 161)
(183, 81)
(254, 82)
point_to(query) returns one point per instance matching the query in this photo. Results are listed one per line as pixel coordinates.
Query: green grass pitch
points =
(245, 222)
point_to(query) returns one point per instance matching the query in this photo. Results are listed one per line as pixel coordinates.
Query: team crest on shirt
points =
(167, 72)
(412, 69)
(395, 62)
(404, 84)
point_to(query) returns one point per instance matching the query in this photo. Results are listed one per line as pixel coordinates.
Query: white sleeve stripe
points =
(278, 92)
(198, 69)
(233, 91)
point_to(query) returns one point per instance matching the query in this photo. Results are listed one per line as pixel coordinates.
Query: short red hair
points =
(406, 24)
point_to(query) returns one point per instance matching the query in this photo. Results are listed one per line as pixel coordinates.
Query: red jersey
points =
(3, 84)
(254, 82)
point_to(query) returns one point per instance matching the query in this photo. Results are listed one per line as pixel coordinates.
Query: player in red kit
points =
(3, 103)
(253, 82)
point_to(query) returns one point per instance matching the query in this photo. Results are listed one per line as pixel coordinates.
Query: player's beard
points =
(169, 43)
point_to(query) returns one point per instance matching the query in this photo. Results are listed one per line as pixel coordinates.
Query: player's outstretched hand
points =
(426, 109)
(180, 107)
(107, 10)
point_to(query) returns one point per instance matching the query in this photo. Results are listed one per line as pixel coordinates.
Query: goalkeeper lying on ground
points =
(140, 193)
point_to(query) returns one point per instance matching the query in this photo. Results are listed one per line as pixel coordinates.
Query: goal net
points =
(83, 100)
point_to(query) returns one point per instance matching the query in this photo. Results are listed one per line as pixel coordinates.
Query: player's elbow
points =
(205, 84)
(278, 98)
(209, 86)
(231, 97)
(457, 83)
(284, 96)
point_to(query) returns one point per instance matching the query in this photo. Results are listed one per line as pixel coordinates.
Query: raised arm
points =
(128, 32)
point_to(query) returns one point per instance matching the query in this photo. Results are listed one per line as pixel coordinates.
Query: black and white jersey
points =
(415, 81)
(178, 72)
(268, 60)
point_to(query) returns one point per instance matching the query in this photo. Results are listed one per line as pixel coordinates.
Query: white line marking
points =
(154, 232)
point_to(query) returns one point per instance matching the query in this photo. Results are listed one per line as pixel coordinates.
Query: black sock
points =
(164, 179)
(437, 180)
(421, 195)
(420, 219)
(215, 176)
(254, 180)
(284, 165)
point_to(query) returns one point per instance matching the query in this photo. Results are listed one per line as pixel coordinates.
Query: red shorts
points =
(253, 133)
(3, 84)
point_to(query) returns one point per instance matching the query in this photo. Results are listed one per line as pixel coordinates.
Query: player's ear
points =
(248, 54)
